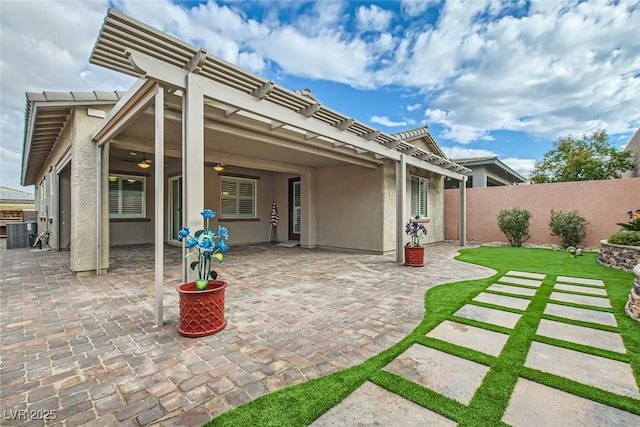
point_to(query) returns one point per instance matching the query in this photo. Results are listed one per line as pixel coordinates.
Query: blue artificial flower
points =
(206, 243)
(223, 232)
(210, 233)
(208, 214)
(191, 242)
(222, 245)
(184, 232)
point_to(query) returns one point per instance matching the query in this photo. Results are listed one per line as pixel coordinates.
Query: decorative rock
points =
(632, 308)
(619, 256)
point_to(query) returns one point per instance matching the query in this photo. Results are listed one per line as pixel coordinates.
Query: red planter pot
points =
(414, 257)
(201, 312)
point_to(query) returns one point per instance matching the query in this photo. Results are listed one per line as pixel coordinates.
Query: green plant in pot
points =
(413, 250)
(202, 302)
(208, 247)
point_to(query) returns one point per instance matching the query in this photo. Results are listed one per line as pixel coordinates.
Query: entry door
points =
(175, 210)
(64, 209)
(294, 209)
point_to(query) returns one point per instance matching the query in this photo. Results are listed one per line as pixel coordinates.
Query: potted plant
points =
(202, 301)
(414, 251)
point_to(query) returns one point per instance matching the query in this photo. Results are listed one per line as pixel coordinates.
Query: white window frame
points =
(143, 197)
(237, 181)
(423, 195)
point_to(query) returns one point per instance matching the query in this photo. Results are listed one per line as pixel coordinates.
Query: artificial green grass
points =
(301, 404)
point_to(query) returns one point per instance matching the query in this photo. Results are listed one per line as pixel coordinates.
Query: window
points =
(418, 196)
(126, 196)
(238, 197)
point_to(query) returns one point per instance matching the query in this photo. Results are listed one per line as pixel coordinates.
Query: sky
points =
(489, 77)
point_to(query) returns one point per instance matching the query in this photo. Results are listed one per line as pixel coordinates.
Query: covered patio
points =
(90, 350)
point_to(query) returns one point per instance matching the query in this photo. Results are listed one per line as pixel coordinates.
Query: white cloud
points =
(453, 130)
(522, 166)
(457, 152)
(416, 7)
(373, 18)
(385, 121)
(413, 107)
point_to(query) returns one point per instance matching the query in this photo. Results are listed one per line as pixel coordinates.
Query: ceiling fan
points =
(144, 163)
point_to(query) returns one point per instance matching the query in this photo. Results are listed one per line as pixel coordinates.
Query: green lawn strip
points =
(587, 307)
(588, 392)
(297, 405)
(507, 294)
(492, 397)
(621, 357)
(303, 403)
(591, 325)
(423, 396)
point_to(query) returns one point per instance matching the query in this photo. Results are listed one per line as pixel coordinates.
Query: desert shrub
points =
(625, 237)
(569, 226)
(514, 223)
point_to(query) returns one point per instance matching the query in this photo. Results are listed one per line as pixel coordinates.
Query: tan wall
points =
(602, 203)
(350, 208)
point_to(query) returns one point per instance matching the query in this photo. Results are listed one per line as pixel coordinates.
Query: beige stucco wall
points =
(602, 203)
(350, 208)
(83, 191)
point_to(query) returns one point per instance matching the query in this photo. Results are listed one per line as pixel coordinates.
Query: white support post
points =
(98, 210)
(308, 223)
(401, 207)
(159, 202)
(463, 211)
(192, 159)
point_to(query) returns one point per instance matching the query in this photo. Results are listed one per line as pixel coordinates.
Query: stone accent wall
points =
(633, 305)
(619, 256)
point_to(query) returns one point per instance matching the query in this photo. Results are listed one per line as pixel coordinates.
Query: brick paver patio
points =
(88, 349)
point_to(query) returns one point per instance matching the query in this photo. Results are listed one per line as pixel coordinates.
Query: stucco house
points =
(633, 147)
(487, 171)
(196, 132)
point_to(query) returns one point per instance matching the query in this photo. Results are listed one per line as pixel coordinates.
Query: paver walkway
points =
(531, 403)
(87, 348)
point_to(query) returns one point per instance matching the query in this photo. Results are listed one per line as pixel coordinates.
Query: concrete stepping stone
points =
(582, 314)
(488, 315)
(535, 405)
(441, 372)
(469, 336)
(580, 280)
(372, 405)
(596, 371)
(583, 289)
(581, 335)
(519, 281)
(525, 274)
(515, 290)
(581, 299)
(502, 300)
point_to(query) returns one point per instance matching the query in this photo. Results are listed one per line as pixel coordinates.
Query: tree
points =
(581, 159)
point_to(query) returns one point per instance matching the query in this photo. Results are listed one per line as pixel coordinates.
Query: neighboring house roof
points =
(121, 35)
(492, 162)
(8, 194)
(46, 115)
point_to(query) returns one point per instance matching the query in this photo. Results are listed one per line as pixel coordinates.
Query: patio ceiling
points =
(122, 38)
(46, 115)
(238, 137)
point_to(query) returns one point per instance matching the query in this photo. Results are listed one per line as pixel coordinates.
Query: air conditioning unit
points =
(17, 235)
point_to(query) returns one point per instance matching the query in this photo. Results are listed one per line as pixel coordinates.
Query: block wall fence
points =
(602, 203)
